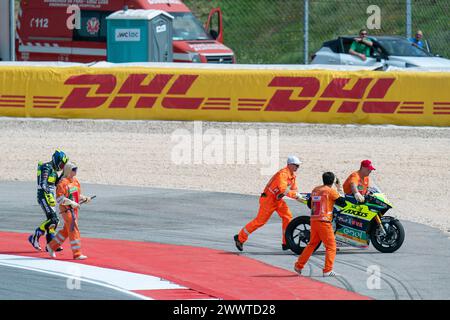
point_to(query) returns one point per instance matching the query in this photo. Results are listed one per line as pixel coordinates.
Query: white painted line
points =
(77, 278)
(123, 281)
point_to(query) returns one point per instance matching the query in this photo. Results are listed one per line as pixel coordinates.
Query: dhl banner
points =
(315, 96)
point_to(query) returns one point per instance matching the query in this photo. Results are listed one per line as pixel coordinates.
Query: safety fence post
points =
(306, 31)
(12, 35)
(408, 19)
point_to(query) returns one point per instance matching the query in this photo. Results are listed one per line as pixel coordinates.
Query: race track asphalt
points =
(418, 270)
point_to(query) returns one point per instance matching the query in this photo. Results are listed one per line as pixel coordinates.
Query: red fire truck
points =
(43, 31)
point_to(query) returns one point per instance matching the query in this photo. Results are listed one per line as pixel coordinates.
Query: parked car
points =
(388, 50)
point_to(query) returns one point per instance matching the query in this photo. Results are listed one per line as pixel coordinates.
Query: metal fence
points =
(290, 31)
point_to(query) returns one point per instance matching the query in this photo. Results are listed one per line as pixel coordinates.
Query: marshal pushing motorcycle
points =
(354, 224)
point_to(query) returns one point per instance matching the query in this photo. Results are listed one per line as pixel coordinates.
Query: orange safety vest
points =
(69, 188)
(322, 202)
(281, 184)
(361, 184)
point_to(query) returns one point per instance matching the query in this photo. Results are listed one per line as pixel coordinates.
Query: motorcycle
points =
(355, 225)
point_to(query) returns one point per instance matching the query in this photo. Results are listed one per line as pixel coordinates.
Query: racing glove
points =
(359, 197)
(45, 187)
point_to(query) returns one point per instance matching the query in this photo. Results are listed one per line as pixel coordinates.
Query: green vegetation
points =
(269, 31)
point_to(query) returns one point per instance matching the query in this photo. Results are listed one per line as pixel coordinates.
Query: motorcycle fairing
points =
(352, 223)
(352, 236)
(360, 211)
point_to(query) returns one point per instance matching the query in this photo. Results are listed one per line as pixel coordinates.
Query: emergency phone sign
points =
(128, 35)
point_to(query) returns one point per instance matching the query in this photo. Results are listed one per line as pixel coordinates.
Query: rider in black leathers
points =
(47, 179)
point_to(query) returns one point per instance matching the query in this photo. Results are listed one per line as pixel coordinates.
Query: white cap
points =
(293, 160)
(68, 167)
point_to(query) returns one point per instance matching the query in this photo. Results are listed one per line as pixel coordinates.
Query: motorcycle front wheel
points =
(393, 240)
(298, 233)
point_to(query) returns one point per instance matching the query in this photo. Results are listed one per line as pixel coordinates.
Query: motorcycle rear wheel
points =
(393, 240)
(298, 233)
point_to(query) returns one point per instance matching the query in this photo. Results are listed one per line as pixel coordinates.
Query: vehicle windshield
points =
(187, 27)
(402, 47)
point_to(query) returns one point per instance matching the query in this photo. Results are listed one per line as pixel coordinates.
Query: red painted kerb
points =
(206, 272)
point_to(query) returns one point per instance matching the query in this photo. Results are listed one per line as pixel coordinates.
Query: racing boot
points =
(34, 239)
(57, 250)
(49, 237)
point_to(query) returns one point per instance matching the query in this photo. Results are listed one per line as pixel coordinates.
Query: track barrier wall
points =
(312, 96)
